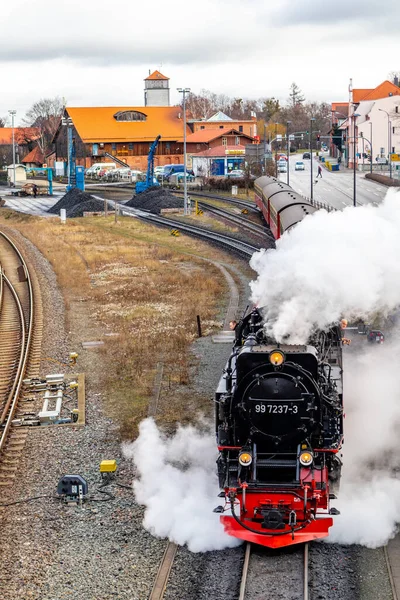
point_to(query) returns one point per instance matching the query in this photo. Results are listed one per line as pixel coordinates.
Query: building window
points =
(393, 129)
(237, 140)
(241, 128)
(129, 115)
(221, 126)
(224, 141)
(397, 109)
(198, 146)
(113, 146)
(202, 127)
(130, 146)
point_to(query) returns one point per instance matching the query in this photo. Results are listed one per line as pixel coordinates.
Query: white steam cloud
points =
(330, 265)
(369, 498)
(177, 483)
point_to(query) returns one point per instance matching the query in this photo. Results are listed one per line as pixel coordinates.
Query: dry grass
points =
(140, 283)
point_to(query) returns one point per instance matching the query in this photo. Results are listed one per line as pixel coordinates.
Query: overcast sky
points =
(97, 53)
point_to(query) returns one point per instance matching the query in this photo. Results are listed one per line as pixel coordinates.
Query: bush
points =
(225, 183)
(383, 179)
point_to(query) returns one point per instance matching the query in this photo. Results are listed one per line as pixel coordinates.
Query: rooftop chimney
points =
(396, 81)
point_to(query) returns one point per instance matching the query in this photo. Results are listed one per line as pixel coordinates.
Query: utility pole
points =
(13, 113)
(184, 91)
(311, 156)
(288, 149)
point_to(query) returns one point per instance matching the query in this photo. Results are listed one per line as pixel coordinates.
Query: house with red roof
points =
(370, 123)
(217, 151)
(24, 140)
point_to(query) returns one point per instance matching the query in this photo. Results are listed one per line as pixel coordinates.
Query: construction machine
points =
(151, 181)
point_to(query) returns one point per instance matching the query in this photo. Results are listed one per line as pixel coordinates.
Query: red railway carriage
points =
(280, 205)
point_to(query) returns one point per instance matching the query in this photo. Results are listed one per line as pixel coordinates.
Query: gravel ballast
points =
(154, 200)
(70, 200)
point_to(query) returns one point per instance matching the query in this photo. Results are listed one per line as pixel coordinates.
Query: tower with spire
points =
(156, 89)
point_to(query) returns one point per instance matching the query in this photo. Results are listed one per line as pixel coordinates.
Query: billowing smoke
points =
(330, 265)
(369, 498)
(177, 484)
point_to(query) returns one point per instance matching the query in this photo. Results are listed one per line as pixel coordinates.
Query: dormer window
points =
(130, 115)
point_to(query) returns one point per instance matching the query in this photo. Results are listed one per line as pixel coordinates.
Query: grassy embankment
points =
(143, 286)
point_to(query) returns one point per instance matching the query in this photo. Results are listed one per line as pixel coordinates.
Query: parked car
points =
(307, 155)
(171, 169)
(299, 166)
(235, 173)
(376, 336)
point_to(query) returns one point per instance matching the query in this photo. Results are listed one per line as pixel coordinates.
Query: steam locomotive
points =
(279, 427)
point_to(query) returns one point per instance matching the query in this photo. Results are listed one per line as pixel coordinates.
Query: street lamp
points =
(354, 117)
(370, 137)
(67, 122)
(389, 141)
(184, 91)
(276, 150)
(288, 148)
(311, 170)
(13, 113)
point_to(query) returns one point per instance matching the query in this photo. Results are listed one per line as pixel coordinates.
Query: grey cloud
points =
(200, 51)
(377, 16)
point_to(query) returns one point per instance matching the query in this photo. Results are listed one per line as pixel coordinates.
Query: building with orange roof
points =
(156, 89)
(24, 139)
(222, 121)
(124, 133)
(205, 139)
(34, 159)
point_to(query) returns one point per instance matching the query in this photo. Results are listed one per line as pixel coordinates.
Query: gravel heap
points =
(93, 205)
(154, 199)
(70, 200)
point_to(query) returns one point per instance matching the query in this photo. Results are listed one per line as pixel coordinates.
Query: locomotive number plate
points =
(276, 408)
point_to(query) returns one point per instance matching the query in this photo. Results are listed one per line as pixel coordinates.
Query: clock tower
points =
(156, 90)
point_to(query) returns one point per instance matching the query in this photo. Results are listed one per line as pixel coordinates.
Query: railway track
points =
(270, 573)
(230, 243)
(19, 348)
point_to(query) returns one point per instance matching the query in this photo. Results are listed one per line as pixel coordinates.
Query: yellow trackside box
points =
(108, 466)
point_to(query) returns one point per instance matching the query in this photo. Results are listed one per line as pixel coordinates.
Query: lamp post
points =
(389, 141)
(67, 122)
(288, 149)
(372, 156)
(265, 148)
(311, 156)
(184, 91)
(276, 150)
(13, 113)
(354, 117)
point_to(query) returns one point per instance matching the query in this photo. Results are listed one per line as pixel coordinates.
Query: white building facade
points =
(375, 127)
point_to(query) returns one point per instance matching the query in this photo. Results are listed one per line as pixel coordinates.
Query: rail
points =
(25, 309)
(230, 243)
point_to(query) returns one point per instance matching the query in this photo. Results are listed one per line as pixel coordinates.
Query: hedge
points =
(383, 179)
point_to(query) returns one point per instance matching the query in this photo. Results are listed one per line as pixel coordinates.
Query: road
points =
(334, 188)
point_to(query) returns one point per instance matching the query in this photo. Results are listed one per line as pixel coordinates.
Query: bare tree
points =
(45, 116)
(3, 121)
(295, 96)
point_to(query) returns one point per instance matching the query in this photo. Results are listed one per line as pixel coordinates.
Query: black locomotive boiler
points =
(279, 426)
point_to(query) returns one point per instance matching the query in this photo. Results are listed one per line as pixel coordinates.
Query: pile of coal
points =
(155, 199)
(93, 205)
(70, 200)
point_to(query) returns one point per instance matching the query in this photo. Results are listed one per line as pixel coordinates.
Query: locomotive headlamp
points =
(306, 458)
(245, 458)
(276, 358)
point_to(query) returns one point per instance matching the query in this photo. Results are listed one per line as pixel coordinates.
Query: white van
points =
(95, 169)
